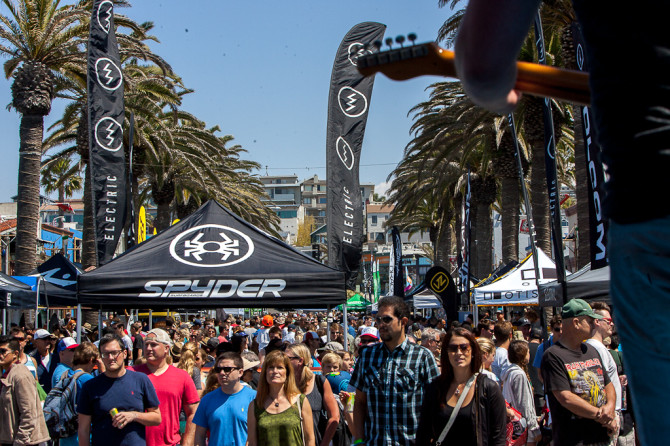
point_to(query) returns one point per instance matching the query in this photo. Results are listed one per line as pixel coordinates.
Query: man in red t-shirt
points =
(175, 390)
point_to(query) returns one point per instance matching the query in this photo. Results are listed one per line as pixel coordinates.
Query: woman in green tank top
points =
(279, 415)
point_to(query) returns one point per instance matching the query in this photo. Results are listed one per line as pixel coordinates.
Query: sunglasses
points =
(225, 370)
(19, 338)
(455, 348)
(4, 351)
(112, 355)
(606, 319)
(384, 319)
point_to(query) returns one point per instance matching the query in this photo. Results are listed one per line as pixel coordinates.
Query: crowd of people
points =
(288, 379)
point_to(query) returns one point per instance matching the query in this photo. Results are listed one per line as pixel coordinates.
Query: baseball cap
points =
(240, 334)
(578, 307)
(197, 322)
(523, 321)
(338, 381)
(333, 346)
(160, 336)
(249, 364)
(370, 332)
(267, 320)
(42, 334)
(66, 344)
(212, 343)
(87, 327)
(311, 335)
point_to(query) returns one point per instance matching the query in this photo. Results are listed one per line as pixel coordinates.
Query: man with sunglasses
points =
(116, 406)
(224, 412)
(389, 378)
(580, 394)
(175, 390)
(602, 328)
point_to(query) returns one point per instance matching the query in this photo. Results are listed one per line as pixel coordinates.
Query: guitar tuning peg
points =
(400, 40)
(389, 42)
(377, 44)
(411, 37)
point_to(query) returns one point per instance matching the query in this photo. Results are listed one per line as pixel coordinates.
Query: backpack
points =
(342, 436)
(60, 413)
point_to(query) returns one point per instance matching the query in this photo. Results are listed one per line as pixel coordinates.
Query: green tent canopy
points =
(357, 302)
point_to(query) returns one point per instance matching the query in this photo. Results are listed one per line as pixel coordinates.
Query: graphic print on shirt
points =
(587, 381)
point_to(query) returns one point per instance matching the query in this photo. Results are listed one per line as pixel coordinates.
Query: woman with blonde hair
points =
(279, 415)
(188, 360)
(318, 392)
(488, 349)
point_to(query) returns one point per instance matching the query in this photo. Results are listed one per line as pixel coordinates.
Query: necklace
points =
(458, 389)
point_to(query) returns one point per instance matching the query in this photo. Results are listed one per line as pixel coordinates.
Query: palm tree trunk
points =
(582, 193)
(61, 212)
(88, 251)
(443, 245)
(539, 199)
(28, 202)
(162, 215)
(482, 242)
(510, 219)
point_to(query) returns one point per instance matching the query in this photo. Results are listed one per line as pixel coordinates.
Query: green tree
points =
(62, 176)
(305, 229)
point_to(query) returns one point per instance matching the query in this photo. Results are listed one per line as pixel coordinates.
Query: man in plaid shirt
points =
(389, 378)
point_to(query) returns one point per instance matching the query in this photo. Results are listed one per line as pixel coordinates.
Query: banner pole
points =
(99, 324)
(151, 319)
(4, 321)
(345, 326)
(78, 323)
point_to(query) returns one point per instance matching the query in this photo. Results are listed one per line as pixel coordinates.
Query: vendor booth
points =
(213, 258)
(586, 284)
(518, 286)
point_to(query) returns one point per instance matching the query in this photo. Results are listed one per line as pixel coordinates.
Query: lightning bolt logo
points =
(108, 74)
(352, 102)
(110, 134)
(105, 131)
(105, 12)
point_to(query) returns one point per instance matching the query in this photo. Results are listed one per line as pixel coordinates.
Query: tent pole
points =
(99, 324)
(151, 319)
(4, 321)
(329, 320)
(37, 303)
(78, 323)
(345, 327)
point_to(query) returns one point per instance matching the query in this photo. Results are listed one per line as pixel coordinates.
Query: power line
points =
(323, 167)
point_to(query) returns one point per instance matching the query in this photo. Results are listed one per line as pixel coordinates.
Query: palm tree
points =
(61, 176)
(43, 41)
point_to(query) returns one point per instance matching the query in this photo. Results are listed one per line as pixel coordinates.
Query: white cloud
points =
(382, 188)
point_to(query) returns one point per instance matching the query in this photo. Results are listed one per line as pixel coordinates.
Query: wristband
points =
(359, 441)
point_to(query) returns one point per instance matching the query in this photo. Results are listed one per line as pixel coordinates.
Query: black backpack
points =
(60, 411)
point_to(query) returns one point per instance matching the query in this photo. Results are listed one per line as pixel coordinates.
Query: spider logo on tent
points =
(196, 247)
(211, 245)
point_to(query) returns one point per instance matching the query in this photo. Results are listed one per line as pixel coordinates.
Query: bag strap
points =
(302, 430)
(452, 418)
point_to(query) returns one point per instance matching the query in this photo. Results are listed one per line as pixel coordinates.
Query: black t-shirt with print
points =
(580, 372)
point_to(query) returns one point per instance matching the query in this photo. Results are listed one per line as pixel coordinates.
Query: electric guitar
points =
(429, 59)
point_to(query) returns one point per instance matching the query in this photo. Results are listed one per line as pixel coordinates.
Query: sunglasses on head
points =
(455, 348)
(225, 370)
(384, 319)
(19, 338)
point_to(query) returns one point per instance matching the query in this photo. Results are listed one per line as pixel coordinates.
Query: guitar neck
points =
(429, 59)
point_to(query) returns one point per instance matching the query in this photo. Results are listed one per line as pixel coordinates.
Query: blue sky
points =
(261, 71)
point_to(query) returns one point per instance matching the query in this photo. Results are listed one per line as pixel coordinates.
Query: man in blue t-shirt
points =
(116, 406)
(224, 411)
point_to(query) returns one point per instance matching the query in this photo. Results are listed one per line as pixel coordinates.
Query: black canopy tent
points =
(15, 294)
(213, 258)
(59, 281)
(587, 284)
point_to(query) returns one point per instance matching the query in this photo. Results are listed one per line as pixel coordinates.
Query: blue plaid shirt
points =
(394, 383)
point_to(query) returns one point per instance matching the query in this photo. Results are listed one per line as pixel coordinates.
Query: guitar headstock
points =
(407, 62)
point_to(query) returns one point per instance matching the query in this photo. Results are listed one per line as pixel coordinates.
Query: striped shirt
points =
(393, 383)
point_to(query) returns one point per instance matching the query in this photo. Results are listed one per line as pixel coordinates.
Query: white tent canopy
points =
(517, 287)
(426, 299)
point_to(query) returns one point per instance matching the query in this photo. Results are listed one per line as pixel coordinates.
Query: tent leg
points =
(99, 324)
(78, 323)
(151, 319)
(329, 320)
(345, 327)
(4, 321)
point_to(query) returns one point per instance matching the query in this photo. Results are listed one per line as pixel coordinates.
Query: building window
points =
(374, 220)
(322, 200)
(308, 187)
(322, 213)
(321, 187)
(288, 214)
(306, 201)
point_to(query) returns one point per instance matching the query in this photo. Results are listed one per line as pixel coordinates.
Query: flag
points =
(550, 164)
(105, 125)
(396, 279)
(348, 105)
(598, 224)
(142, 226)
(463, 259)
